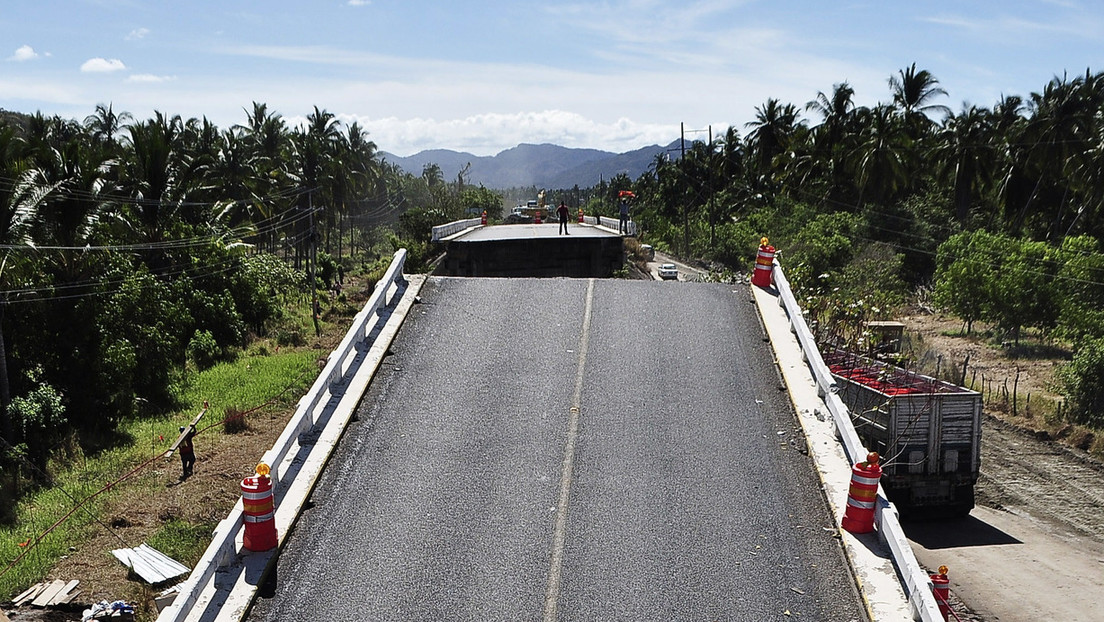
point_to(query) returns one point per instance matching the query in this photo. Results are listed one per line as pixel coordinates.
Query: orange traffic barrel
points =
(858, 517)
(259, 511)
(764, 265)
(941, 589)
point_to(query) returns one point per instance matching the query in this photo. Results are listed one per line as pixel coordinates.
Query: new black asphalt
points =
(569, 449)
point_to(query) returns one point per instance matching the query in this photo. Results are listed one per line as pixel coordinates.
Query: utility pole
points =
(712, 216)
(313, 279)
(685, 207)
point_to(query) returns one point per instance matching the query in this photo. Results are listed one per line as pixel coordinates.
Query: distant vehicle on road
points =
(668, 271)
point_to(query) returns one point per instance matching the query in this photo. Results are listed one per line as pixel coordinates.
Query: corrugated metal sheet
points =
(150, 564)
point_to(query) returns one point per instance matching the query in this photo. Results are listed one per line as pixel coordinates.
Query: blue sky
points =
(485, 76)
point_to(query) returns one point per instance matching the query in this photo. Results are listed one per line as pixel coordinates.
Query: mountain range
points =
(542, 166)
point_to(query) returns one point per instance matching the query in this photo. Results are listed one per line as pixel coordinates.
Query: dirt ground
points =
(1034, 547)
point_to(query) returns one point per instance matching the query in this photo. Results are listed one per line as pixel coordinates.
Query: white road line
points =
(551, 599)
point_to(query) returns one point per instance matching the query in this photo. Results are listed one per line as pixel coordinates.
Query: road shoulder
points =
(871, 565)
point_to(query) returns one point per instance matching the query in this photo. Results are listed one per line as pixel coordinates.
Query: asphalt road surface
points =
(569, 449)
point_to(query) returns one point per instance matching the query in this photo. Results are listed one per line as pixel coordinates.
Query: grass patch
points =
(251, 380)
(36, 514)
(185, 542)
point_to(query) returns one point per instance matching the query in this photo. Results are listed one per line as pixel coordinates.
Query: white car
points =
(668, 271)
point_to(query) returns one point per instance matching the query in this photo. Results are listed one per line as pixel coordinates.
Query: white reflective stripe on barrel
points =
(249, 518)
(862, 505)
(866, 481)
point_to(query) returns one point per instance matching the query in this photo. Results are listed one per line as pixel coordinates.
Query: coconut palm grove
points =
(136, 251)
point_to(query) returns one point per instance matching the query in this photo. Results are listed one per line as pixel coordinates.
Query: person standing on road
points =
(623, 223)
(187, 452)
(563, 213)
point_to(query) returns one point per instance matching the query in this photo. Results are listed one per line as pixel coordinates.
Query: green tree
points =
(1082, 382)
(19, 199)
(40, 419)
(1024, 290)
(478, 200)
(1081, 284)
(963, 272)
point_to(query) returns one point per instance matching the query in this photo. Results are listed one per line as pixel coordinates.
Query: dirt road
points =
(1033, 549)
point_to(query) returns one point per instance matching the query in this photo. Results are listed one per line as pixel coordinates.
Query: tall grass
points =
(248, 382)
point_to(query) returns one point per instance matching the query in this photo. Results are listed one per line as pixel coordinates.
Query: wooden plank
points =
(29, 594)
(70, 597)
(63, 593)
(180, 439)
(48, 594)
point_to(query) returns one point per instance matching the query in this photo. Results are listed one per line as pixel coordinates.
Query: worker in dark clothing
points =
(623, 217)
(562, 212)
(187, 452)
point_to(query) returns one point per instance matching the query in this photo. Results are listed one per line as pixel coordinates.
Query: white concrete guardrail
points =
(441, 232)
(916, 583)
(225, 580)
(613, 224)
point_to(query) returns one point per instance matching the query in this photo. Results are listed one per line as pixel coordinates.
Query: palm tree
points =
(836, 111)
(913, 93)
(359, 159)
(104, 125)
(962, 153)
(156, 179)
(771, 131)
(881, 156)
(1062, 124)
(270, 153)
(19, 198)
(829, 157)
(73, 184)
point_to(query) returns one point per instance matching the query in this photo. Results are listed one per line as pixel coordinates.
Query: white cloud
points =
(148, 78)
(137, 33)
(102, 65)
(359, 2)
(25, 52)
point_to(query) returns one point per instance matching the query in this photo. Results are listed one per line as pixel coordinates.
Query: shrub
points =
(39, 417)
(1082, 382)
(204, 350)
(234, 421)
(290, 336)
